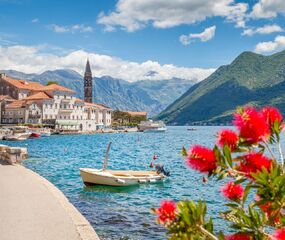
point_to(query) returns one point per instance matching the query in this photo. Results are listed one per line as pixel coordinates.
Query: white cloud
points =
(272, 46)
(267, 29)
(204, 36)
(72, 29)
(31, 59)
(35, 20)
(268, 8)
(132, 15)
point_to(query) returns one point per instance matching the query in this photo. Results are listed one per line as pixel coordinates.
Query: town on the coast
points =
(27, 102)
(55, 109)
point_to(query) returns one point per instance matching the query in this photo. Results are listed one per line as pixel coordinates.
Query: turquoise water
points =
(124, 213)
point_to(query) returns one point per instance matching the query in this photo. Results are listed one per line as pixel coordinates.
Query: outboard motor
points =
(160, 169)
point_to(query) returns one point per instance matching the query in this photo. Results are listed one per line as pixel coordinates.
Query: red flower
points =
(272, 114)
(254, 162)
(233, 191)
(238, 236)
(252, 125)
(166, 212)
(269, 211)
(201, 159)
(279, 234)
(229, 137)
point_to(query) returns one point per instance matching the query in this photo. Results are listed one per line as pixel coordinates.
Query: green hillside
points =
(250, 79)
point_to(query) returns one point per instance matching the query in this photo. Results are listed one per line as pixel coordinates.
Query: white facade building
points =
(54, 105)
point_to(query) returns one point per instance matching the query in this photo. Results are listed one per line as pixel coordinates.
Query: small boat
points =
(155, 130)
(35, 135)
(45, 133)
(192, 129)
(18, 137)
(91, 176)
(152, 126)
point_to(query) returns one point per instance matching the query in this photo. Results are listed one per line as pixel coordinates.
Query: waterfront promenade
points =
(32, 208)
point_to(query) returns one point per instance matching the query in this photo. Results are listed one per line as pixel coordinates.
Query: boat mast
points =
(105, 164)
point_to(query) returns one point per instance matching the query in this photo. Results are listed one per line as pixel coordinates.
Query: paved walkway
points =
(31, 208)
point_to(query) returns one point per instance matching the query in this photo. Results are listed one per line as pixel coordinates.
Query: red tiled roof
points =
(16, 104)
(6, 97)
(137, 113)
(23, 84)
(77, 100)
(56, 87)
(100, 106)
(38, 96)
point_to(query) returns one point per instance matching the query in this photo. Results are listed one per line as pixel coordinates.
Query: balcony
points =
(65, 100)
(34, 116)
(65, 110)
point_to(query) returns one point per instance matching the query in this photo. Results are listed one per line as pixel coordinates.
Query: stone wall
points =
(13, 155)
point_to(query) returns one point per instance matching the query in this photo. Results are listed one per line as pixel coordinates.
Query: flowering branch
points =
(250, 171)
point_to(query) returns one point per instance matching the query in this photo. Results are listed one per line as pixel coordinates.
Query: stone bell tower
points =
(88, 83)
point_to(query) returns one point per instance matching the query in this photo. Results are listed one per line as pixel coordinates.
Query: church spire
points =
(88, 68)
(88, 83)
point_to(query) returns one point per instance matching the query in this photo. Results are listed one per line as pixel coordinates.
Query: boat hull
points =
(18, 137)
(118, 178)
(154, 130)
(35, 135)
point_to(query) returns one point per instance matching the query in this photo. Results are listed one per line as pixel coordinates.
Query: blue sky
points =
(132, 37)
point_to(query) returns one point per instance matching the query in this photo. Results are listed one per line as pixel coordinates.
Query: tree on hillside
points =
(51, 82)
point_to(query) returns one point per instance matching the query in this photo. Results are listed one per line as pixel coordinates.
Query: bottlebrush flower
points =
(233, 191)
(269, 211)
(166, 212)
(229, 137)
(279, 234)
(252, 125)
(201, 159)
(238, 236)
(254, 162)
(272, 114)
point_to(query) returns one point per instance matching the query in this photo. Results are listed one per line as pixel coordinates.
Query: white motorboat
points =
(91, 176)
(18, 137)
(152, 126)
(155, 130)
(45, 132)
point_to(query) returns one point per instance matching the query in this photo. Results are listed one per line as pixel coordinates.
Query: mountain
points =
(250, 79)
(145, 95)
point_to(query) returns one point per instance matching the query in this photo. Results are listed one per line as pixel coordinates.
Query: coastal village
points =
(27, 102)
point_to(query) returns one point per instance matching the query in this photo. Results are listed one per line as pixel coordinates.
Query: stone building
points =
(53, 104)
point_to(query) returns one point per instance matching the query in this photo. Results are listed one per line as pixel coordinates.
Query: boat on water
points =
(45, 132)
(152, 126)
(17, 137)
(91, 176)
(18, 133)
(118, 177)
(35, 135)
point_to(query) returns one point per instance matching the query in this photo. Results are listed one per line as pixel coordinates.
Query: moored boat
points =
(118, 177)
(91, 176)
(155, 130)
(35, 135)
(45, 133)
(152, 126)
(18, 137)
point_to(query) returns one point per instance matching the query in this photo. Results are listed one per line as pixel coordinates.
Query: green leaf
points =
(184, 152)
(227, 154)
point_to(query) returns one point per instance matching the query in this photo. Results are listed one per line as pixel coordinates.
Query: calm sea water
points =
(124, 213)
